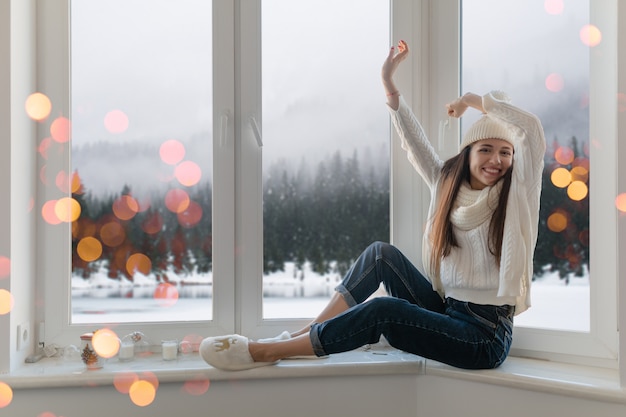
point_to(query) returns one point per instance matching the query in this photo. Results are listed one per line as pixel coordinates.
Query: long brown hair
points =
(455, 171)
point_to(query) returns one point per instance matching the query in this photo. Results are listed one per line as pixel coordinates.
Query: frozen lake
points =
(555, 304)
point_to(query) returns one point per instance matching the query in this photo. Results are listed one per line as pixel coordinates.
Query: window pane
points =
(141, 150)
(544, 67)
(326, 146)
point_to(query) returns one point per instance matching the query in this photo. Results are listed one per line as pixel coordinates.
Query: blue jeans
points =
(413, 318)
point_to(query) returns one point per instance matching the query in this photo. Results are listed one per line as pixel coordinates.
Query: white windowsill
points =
(529, 374)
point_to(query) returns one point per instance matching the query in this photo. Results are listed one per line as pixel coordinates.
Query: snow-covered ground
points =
(102, 300)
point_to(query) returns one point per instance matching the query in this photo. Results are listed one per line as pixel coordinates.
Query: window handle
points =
(256, 131)
(443, 125)
(223, 128)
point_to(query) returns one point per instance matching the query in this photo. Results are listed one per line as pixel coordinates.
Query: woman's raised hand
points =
(393, 60)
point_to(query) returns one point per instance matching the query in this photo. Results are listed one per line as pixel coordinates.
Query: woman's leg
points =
(271, 352)
(378, 263)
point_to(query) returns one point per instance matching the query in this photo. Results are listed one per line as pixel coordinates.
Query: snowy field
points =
(102, 300)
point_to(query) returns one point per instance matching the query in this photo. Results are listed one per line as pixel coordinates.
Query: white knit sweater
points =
(470, 272)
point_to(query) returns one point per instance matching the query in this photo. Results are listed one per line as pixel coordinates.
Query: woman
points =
(477, 251)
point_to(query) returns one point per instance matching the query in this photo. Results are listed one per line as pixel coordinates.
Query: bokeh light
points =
(124, 380)
(620, 202)
(138, 262)
(6, 394)
(89, 249)
(564, 155)
(6, 302)
(5, 267)
(557, 222)
(44, 147)
(112, 234)
(580, 173)
(553, 7)
(68, 183)
(166, 294)
(191, 216)
(198, 385)
(38, 106)
(67, 209)
(577, 190)
(106, 343)
(48, 212)
(561, 177)
(60, 129)
(554, 82)
(177, 200)
(621, 102)
(590, 35)
(188, 173)
(153, 223)
(142, 393)
(172, 151)
(116, 121)
(125, 207)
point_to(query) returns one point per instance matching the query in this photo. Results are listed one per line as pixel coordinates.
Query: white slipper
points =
(229, 353)
(285, 335)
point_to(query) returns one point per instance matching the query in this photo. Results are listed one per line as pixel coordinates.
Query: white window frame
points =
(54, 81)
(431, 27)
(599, 346)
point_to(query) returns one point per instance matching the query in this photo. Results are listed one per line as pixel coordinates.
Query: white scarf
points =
(473, 207)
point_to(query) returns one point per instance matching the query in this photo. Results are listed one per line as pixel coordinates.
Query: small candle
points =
(127, 351)
(169, 349)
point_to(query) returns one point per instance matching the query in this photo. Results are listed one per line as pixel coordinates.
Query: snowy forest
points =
(324, 215)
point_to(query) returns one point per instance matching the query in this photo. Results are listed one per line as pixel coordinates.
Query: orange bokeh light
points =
(554, 82)
(60, 129)
(177, 200)
(564, 155)
(188, 173)
(6, 302)
(5, 267)
(112, 234)
(590, 35)
(557, 222)
(191, 216)
(106, 343)
(561, 177)
(67, 209)
(44, 147)
(577, 190)
(153, 224)
(125, 207)
(38, 106)
(116, 121)
(49, 214)
(172, 151)
(579, 173)
(142, 393)
(620, 202)
(166, 294)
(197, 386)
(124, 380)
(6, 394)
(138, 262)
(89, 249)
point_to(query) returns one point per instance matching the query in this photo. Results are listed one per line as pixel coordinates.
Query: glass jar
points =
(88, 354)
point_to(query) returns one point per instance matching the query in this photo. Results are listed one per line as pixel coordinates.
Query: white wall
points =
(375, 396)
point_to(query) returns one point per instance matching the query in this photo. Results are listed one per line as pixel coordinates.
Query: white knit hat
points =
(488, 127)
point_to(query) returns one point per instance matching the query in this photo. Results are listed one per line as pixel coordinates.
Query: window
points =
(244, 132)
(141, 161)
(559, 88)
(523, 63)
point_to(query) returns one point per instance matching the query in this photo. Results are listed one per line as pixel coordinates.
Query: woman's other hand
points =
(394, 58)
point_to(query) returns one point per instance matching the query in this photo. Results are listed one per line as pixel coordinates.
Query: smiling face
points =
(489, 161)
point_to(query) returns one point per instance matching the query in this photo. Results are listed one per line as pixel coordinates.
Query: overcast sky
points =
(152, 60)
